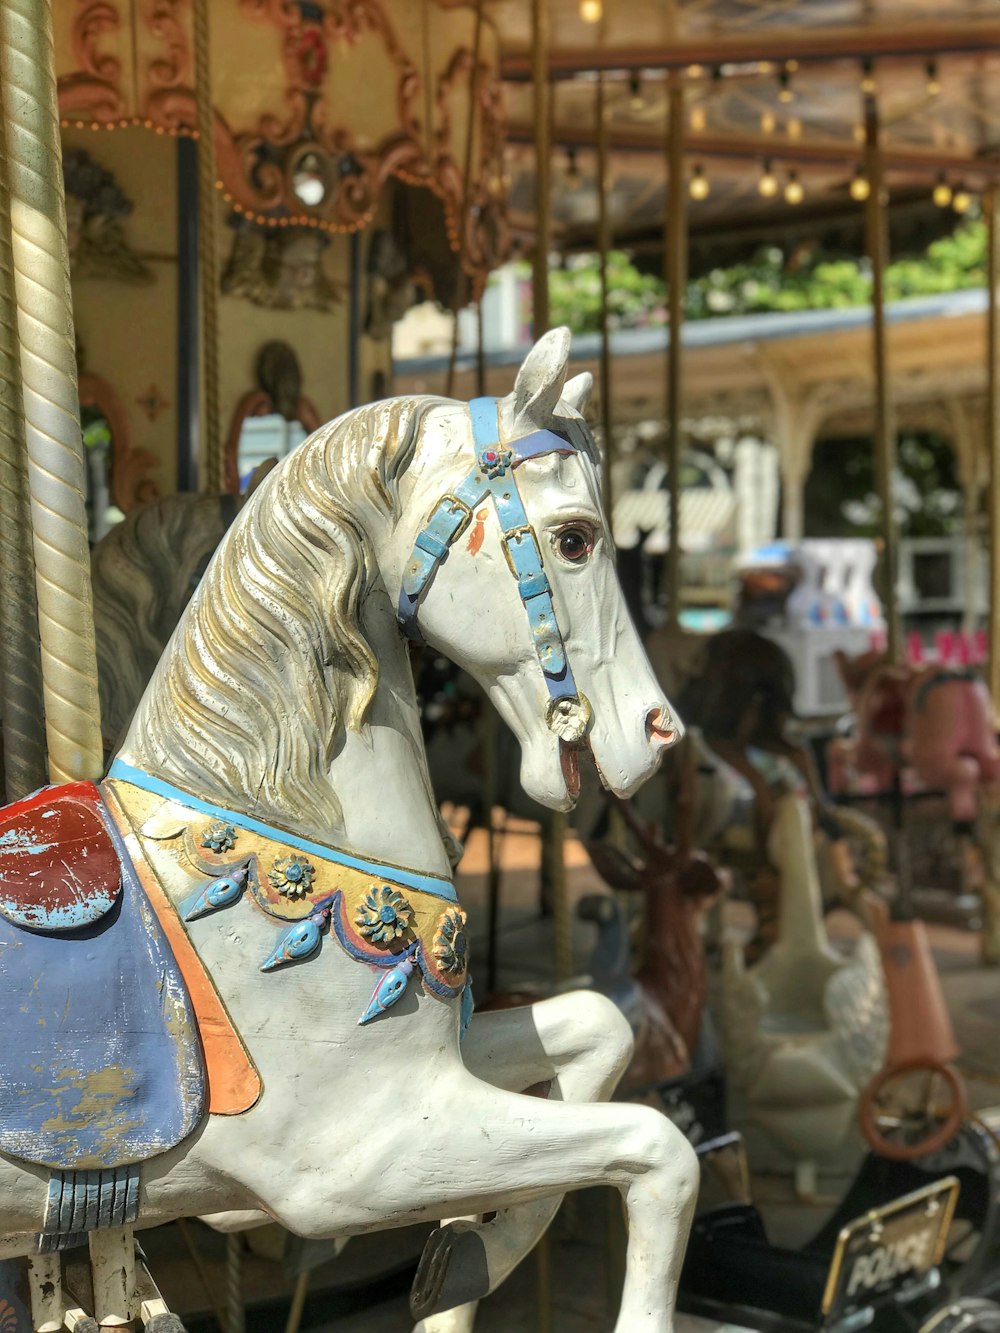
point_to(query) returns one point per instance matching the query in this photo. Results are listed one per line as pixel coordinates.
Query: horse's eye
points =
(575, 544)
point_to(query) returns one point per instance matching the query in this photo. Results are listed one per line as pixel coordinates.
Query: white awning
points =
(708, 520)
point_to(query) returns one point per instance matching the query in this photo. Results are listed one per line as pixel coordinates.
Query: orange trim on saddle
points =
(234, 1084)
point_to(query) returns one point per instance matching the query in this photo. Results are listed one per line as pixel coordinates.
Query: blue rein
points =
(494, 476)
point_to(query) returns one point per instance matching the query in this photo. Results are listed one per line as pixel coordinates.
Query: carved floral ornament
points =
(318, 103)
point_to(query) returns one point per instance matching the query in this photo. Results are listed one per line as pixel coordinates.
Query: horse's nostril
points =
(660, 726)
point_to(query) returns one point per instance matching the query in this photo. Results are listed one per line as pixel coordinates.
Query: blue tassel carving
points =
(217, 893)
(389, 989)
(468, 1008)
(298, 942)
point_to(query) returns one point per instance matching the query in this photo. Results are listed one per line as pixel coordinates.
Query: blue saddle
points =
(101, 1064)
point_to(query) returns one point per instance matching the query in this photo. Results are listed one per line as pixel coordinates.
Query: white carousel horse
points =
(282, 719)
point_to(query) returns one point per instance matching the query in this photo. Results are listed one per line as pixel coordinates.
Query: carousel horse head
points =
(480, 526)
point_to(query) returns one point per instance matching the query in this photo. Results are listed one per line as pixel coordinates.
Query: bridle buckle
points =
(516, 534)
(457, 506)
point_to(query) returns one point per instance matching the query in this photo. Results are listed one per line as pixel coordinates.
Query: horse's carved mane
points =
(143, 573)
(269, 666)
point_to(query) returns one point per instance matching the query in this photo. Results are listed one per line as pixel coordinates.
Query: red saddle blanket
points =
(58, 866)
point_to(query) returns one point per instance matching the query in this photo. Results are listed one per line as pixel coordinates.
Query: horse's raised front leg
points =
(464, 1147)
(580, 1044)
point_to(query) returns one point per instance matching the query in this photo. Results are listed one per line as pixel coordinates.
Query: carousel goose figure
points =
(280, 733)
(805, 1028)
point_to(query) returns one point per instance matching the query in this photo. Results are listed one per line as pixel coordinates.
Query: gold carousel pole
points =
(21, 703)
(212, 471)
(56, 466)
(553, 850)
(992, 208)
(885, 426)
(675, 246)
(462, 285)
(604, 247)
(543, 165)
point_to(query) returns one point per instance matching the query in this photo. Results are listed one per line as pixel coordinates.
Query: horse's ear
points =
(577, 391)
(539, 383)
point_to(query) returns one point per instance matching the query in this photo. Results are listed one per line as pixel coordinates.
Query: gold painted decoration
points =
(374, 918)
(316, 106)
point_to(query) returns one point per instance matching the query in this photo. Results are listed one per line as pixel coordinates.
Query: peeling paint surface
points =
(58, 866)
(100, 1063)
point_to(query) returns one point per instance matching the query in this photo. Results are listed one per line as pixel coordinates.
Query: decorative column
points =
(56, 469)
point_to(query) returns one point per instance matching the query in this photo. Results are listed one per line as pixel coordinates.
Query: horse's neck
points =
(800, 913)
(673, 948)
(379, 774)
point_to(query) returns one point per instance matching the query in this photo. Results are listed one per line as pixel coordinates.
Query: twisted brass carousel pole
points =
(56, 467)
(21, 705)
(212, 461)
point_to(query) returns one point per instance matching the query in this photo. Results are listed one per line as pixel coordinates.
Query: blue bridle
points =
(494, 476)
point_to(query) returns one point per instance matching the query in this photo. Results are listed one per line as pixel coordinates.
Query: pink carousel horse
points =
(938, 721)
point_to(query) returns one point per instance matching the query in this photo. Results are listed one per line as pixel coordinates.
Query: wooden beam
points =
(804, 44)
(753, 147)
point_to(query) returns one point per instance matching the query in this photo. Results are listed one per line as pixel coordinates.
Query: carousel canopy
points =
(774, 101)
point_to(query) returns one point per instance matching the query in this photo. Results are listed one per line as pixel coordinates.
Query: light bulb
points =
(961, 200)
(591, 11)
(860, 186)
(636, 100)
(699, 187)
(933, 82)
(794, 127)
(767, 122)
(697, 118)
(794, 193)
(785, 93)
(867, 77)
(695, 71)
(767, 186)
(942, 193)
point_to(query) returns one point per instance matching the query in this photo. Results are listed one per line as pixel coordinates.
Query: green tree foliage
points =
(841, 498)
(815, 281)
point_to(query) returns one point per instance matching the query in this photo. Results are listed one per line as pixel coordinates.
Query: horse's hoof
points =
(452, 1271)
(165, 1323)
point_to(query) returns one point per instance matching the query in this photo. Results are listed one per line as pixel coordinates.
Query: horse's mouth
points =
(569, 758)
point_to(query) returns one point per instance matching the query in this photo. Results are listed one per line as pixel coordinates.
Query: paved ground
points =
(579, 1266)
